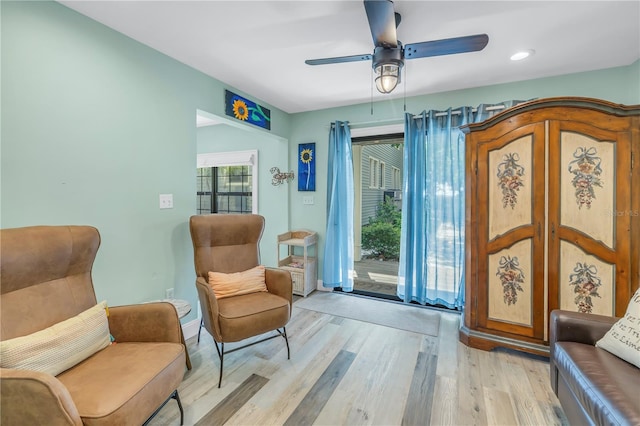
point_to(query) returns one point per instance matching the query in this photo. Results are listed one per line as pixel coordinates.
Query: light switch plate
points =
(307, 200)
(166, 201)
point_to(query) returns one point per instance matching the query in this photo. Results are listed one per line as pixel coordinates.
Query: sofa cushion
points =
(61, 346)
(237, 320)
(237, 283)
(623, 338)
(121, 383)
(606, 386)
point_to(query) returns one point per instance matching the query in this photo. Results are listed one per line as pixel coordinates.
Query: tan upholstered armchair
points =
(46, 279)
(230, 243)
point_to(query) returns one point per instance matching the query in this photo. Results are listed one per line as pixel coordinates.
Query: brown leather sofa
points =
(594, 387)
(45, 279)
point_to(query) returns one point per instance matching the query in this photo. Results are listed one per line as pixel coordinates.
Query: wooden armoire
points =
(552, 218)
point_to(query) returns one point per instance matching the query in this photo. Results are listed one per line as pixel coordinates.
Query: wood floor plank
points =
(499, 408)
(430, 345)
(547, 400)
(315, 400)
(419, 401)
(232, 403)
(445, 397)
(553, 414)
(357, 339)
(340, 404)
(280, 397)
(387, 406)
(448, 346)
(537, 372)
(470, 395)
(376, 385)
(491, 371)
(391, 373)
(304, 325)
(522, 397)
(239, 365)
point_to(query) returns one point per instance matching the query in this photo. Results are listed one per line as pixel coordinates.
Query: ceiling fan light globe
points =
(387, 77)
(386, 84)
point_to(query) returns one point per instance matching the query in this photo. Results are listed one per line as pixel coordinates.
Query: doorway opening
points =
(378, 166)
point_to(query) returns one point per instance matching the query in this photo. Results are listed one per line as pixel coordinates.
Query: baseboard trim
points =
(320, 286)
(190, 328)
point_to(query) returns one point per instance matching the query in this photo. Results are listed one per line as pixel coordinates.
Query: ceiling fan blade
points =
(448, 46)
(339, 59)
(382, 21)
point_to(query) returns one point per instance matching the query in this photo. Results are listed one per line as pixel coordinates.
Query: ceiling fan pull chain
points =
(371, 80)
(404, 100)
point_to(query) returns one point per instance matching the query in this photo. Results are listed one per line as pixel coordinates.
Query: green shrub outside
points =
(382, 235)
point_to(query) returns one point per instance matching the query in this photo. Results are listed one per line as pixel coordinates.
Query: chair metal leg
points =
(177, 398)
(220, 351)
(200, 329)
(284, 334)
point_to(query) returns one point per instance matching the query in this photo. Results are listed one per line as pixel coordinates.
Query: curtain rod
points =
(439, 114)
(377, 122)
(458, 112)
(391, 121)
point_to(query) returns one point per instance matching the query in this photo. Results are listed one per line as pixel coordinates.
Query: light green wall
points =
(94, 127)
(273, 201)
(619, 85)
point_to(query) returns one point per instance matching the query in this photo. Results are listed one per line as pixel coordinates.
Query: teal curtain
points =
(338, 248)
(431, 267)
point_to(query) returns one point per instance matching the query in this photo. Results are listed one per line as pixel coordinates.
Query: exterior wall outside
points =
(372, 197)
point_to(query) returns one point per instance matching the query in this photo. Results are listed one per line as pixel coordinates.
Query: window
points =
(225, 189)
(374, 173)
(204, 190)
(227, 182)
(382, 175)
(397, 178)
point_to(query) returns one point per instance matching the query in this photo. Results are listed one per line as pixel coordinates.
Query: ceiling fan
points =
(389, 54)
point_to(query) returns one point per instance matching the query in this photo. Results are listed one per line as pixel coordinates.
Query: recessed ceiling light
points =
(518, 56)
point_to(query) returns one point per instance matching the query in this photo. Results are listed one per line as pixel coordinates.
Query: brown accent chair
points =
(46, 279)
(593, 386)
(229, 243)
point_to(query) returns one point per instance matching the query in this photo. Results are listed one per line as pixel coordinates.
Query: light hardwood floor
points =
(347, 372)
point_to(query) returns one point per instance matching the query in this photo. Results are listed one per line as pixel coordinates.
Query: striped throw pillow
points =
(61, 346)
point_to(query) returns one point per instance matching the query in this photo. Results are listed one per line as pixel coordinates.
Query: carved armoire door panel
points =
(510, 229)
(589, 215)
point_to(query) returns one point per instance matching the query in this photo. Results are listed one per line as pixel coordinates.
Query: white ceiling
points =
(259, 47)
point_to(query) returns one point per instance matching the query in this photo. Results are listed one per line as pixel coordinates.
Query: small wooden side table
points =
(183, 307)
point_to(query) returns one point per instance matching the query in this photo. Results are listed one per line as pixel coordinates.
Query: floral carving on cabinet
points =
(585, 284)
(511, 278)
(586, 172)
(510, 175)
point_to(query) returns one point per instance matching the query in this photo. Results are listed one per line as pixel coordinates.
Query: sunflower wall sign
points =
(245, 110)
(307, 167)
